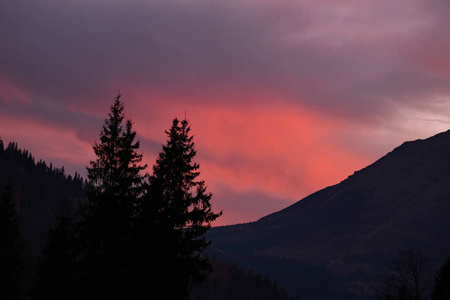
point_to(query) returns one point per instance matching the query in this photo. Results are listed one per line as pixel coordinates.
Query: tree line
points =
(40, 190)
(137, 235)
(230, 282)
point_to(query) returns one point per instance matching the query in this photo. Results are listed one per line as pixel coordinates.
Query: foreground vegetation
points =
(137, 235)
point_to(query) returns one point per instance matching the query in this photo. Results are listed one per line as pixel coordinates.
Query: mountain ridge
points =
(401, 200)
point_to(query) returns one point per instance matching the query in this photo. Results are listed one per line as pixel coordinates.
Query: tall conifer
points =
(116, 185)
(441, 290)
(179, 211)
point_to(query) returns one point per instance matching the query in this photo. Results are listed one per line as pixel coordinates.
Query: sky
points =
(284, 97)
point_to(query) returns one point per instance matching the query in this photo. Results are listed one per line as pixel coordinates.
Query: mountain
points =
(41, 192)
(354, 229)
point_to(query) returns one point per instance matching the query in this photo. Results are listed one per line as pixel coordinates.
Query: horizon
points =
(284, 98)
(215, 223)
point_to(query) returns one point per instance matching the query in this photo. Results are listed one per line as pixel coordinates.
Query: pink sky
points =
(284, 97)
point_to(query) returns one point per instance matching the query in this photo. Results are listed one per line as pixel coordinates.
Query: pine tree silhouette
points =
(11, 248)
(177, 212)
(441, 290)
(107, 226)
(56, 274)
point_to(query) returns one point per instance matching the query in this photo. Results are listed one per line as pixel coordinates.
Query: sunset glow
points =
(284, 97)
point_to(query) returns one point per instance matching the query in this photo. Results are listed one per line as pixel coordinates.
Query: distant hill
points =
(229, 282)
(40, 190)
(354, 228)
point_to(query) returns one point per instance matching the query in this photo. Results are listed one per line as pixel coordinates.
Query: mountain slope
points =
(41, 192)
(402, 200)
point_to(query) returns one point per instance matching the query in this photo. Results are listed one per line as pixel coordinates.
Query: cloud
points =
(242, 207)
(338, 55)
(284, 96)
(60, 146)
(274, 151)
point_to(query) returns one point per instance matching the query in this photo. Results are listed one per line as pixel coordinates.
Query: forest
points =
(124, 233)
(120, 234)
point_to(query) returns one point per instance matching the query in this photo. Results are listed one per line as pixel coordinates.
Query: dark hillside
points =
(41, 192)
(354, 228)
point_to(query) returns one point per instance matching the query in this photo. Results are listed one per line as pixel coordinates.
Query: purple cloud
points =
(383, 67)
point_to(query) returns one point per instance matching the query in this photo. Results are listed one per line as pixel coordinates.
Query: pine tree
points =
(116, 186)
(56, 274)
(179, 213)
(11, 248)
(441, 290)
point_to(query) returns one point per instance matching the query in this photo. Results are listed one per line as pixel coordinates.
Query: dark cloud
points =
(374, 67)
(336, 56)
(53, 114)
